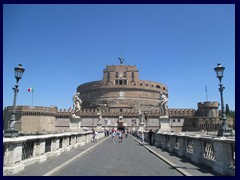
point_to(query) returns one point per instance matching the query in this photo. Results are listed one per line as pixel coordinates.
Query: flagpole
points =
(206, 93)
(32, 98)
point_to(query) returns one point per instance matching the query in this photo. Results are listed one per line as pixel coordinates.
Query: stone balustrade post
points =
(164, 141)
(172, 142)
(40, 151)
(157, 141)
(65, 143)
(182, 146)
(88, 139)
(75, 142)
(197, 150)
(223, 156)
(82, 140)
(146, 137)
(55, 147)
(13, 158)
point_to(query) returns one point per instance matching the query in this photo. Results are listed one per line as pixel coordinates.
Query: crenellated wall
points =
(208, 109)
(51, 119)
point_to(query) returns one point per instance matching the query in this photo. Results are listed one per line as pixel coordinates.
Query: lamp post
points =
(12, 132)
(224, 130)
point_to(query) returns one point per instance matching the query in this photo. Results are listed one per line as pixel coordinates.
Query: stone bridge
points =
(74, 154)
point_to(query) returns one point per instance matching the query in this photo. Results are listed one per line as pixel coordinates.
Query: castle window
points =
(157, 86)
(146, 84)
(108, 77)
(120, 82)
(125, 74)
(141, 84)
(116, 74)
(125, 82)
(116, 82)
(132, 76)
(173, 120)
(164, 88)
(179, 120)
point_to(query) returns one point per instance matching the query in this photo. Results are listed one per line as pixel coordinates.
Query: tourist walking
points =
(126, 135)
(150, 134)
(113, 136)
(120, 136)
(94, 135)
(142, 136)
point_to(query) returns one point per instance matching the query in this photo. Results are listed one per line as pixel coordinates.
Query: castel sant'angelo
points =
(122, 90)
(119, 99)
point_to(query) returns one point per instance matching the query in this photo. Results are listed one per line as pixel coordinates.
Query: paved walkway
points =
(181, 164)
(105, 158)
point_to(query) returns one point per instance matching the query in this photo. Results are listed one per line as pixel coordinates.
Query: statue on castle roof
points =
(163, 104)
(121, 60)
(77, 103)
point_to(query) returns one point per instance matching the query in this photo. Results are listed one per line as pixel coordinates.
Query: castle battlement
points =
(208, 104)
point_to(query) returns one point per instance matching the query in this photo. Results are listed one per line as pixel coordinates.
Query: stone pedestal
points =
(75, 123)
(141, 127)
(164, 124)
(99, 126)
(10, 133)
(225, 132)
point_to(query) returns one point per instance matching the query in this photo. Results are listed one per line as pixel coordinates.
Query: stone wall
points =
(23, 151)
(49, 119)
(218, 153)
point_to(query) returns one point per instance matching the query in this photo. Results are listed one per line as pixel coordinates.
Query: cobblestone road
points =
(127, 158)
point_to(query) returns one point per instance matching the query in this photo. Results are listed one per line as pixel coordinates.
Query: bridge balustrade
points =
(217, 153)
(26, 150)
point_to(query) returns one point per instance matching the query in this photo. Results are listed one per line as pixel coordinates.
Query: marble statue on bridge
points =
(163, 105)
(77, 103)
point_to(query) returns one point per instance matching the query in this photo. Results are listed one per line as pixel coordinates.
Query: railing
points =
(208, 150)
(233, 156)
(218, 153)
(26, 150)
(190, 145)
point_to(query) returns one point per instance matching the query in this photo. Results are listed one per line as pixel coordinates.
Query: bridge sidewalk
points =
(55, 163)
(182, 164)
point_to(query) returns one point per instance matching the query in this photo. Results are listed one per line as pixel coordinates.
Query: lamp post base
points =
(225, 132)
(9, 133)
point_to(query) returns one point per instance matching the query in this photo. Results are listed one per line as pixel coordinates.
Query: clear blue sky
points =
(63, 46)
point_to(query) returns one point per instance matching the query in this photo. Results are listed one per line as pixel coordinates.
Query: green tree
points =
(227, 110)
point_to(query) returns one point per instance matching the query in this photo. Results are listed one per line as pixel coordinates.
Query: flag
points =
(30, 89)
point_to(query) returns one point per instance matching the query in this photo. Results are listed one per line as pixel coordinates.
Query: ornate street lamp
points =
(224, 130)
(12, 132)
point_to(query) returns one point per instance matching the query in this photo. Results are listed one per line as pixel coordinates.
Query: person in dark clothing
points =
(150, 134)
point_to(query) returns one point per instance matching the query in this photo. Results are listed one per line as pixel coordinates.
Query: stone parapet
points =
(217, 153)
(23, 151)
